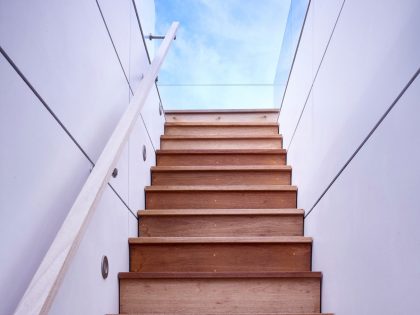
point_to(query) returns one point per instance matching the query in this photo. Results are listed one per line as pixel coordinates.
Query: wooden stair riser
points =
(221, 143)
(206, 177)
(269, 116)
(203, 159)
(209, 130)
(221, 225)
(211, 257)
(220, 199)
(220, 296)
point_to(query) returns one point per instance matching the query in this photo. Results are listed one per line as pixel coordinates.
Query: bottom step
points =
(220, 293)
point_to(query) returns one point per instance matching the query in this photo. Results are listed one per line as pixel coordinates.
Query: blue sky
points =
(221, 42)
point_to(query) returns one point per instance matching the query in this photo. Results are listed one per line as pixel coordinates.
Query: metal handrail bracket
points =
(44, 286)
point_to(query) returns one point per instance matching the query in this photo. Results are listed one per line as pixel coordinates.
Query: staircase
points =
(221, 233)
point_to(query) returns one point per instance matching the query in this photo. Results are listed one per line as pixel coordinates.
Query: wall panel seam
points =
(147, 51)
(44, 103)
(372, 131)
(122, 68)
(56, 118)
(316, 75)
(113, 45)
(294, 56)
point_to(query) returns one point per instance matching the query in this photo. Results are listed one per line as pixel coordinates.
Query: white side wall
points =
(365, 236)
(66, 54)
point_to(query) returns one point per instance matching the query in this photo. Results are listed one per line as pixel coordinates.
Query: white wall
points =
(66, 54)
(365, 229)
(364, 238)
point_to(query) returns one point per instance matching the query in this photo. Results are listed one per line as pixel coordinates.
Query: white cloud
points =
(223, 41)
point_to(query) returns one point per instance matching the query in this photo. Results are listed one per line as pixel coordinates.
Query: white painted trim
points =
(41, 291)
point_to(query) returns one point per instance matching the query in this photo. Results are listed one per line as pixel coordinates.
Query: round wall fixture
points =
(104, 267)
(144, 152)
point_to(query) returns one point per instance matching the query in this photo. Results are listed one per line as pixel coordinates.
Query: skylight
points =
(227, 52)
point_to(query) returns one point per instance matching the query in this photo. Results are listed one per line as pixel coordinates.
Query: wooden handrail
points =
(40, 293)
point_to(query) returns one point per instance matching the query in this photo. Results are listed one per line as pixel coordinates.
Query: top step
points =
(230, 115)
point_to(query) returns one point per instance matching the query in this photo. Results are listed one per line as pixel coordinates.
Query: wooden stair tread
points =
(220, 222)
(219, 275)
(224, 111)
(209, 142)
(208, 212)
(219, 240)
(222, 175)
(217, 124)
(218, 156)
(221, 196)
(262, 168)
(220, 137)
(223, 115)
(221, 188)
(220, 292)
(222, 151)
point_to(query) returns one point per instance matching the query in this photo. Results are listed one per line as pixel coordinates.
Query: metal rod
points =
(151, 36)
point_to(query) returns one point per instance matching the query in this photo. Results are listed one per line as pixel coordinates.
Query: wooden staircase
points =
(221, 233)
